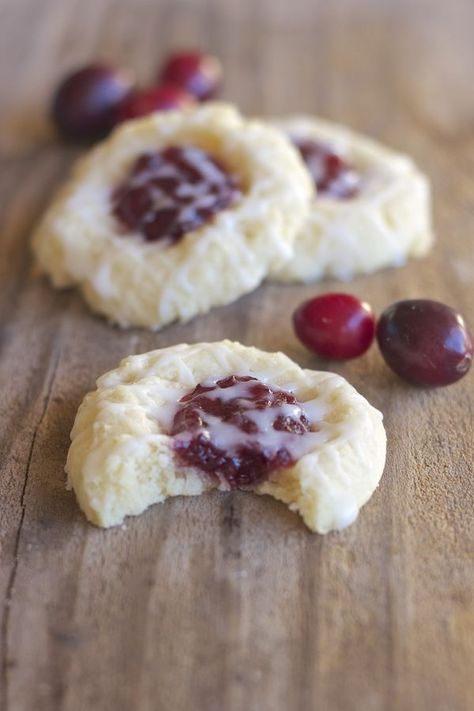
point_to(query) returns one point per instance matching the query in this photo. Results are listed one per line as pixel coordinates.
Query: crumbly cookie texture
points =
(150, 284)
(121, 459)
(385, 224)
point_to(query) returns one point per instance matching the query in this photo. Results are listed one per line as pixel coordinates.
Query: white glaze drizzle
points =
(229, 437)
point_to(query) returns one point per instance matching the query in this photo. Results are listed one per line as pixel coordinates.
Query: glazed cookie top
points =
(371, 210)
(193, 417)
(344, 164)
(174, 213)
(173, 191)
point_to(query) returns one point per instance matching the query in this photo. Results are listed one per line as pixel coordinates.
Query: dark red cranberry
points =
(196, 72)
(335, 325)
(425, 342)
(240, 418)
(86, 103)
(331, 174)
(165, 97)
(173, 191)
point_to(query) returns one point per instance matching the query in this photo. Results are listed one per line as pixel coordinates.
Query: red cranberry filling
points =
(173, 191)
(238, 429)
(331, 174)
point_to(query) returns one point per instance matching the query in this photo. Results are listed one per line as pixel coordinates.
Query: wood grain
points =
(227, 602)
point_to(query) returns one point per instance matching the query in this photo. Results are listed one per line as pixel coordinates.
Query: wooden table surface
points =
(227, 602)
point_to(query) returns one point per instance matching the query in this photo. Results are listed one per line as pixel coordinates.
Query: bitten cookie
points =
(175, 213)
(189, 418)
(372, 208)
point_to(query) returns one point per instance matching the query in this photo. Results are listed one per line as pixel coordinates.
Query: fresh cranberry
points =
(425, 342)
(331, 174)
(335, 325)
(196, 72)
(223, 429)
(86, 102)
(173, 191)
(165, 97)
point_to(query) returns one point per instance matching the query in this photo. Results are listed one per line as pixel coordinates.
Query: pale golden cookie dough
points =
(385, 224)
(135, 283)
(121, 458)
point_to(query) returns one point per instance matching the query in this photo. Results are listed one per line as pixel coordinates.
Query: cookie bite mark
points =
(187, 419)
(237, 430)
(174, 191)
(332, 175)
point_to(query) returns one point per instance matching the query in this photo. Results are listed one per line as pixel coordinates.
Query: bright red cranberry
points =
(335, 325)
(332, 175)
(173, 191)
(237, 430)
(85, 104)
(196, 72)
(425, 342)
(165, 97)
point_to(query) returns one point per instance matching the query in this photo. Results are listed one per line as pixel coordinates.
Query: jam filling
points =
(238, 429)
(332, 175)
(173, 191)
